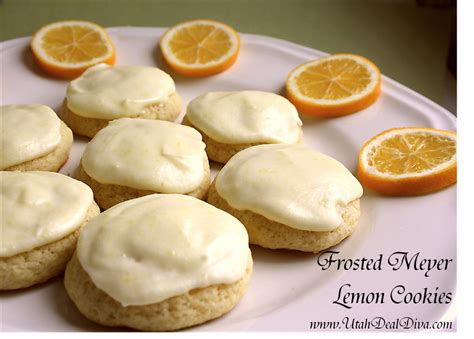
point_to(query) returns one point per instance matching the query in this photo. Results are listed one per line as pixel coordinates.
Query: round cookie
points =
(132, 158)
(233, 121)
(44, 256)
(274, 235)
(108, 195)
(105, 93)
(36, 125)
(289, 197)
(169, 110)
(191, 308)
(218, 151)
(42, 263)
(196, 270)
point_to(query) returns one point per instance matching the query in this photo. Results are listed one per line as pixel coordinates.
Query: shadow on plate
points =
(29, 62)
(66, 309)
(280, 256)
(38, 288)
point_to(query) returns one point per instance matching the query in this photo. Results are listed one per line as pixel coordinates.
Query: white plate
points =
(288, 289)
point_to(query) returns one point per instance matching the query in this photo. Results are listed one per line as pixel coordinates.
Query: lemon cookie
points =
(289, 196)
(131, 158)
(104, 93)
(232, 121)
(33, 138)
(159, 263)
(42, 214)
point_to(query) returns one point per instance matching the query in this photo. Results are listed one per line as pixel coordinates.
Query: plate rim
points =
(390, 86)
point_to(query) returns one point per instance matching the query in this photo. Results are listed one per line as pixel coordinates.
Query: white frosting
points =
(147, 154)
(38, 208)
(245, 117)
(27, 132)
(111, 92)
(290, 184)
(149, 249)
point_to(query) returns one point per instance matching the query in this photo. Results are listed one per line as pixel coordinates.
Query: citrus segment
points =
(332, 86)
(67, 48)
(409, 161)
(200, 47)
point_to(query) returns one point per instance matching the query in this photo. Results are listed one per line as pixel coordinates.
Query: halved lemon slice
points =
(409, 161)
(200, 47)
(67, 48)
(335, 85)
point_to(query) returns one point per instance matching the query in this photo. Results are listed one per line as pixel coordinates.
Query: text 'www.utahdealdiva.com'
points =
(379, 323)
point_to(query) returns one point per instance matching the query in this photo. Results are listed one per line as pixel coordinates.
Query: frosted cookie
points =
(33, 138)
(41, 214)
(232, 121)
(289, 196)
(131, 158)
(104, 93)
(159, 263)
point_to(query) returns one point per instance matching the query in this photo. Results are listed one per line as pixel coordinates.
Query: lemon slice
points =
(409, 161)
(200, 47)
(67, 48)
(335, 85)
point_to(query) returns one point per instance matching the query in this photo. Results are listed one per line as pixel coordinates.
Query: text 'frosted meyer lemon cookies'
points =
(409, 161)
(289, 196)
(67, 48)
(33, 138)
(200, 47)
(232, 121)
(159, 263)
(131, 158)
(336, 85)
(104, 93)
(41, 217)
